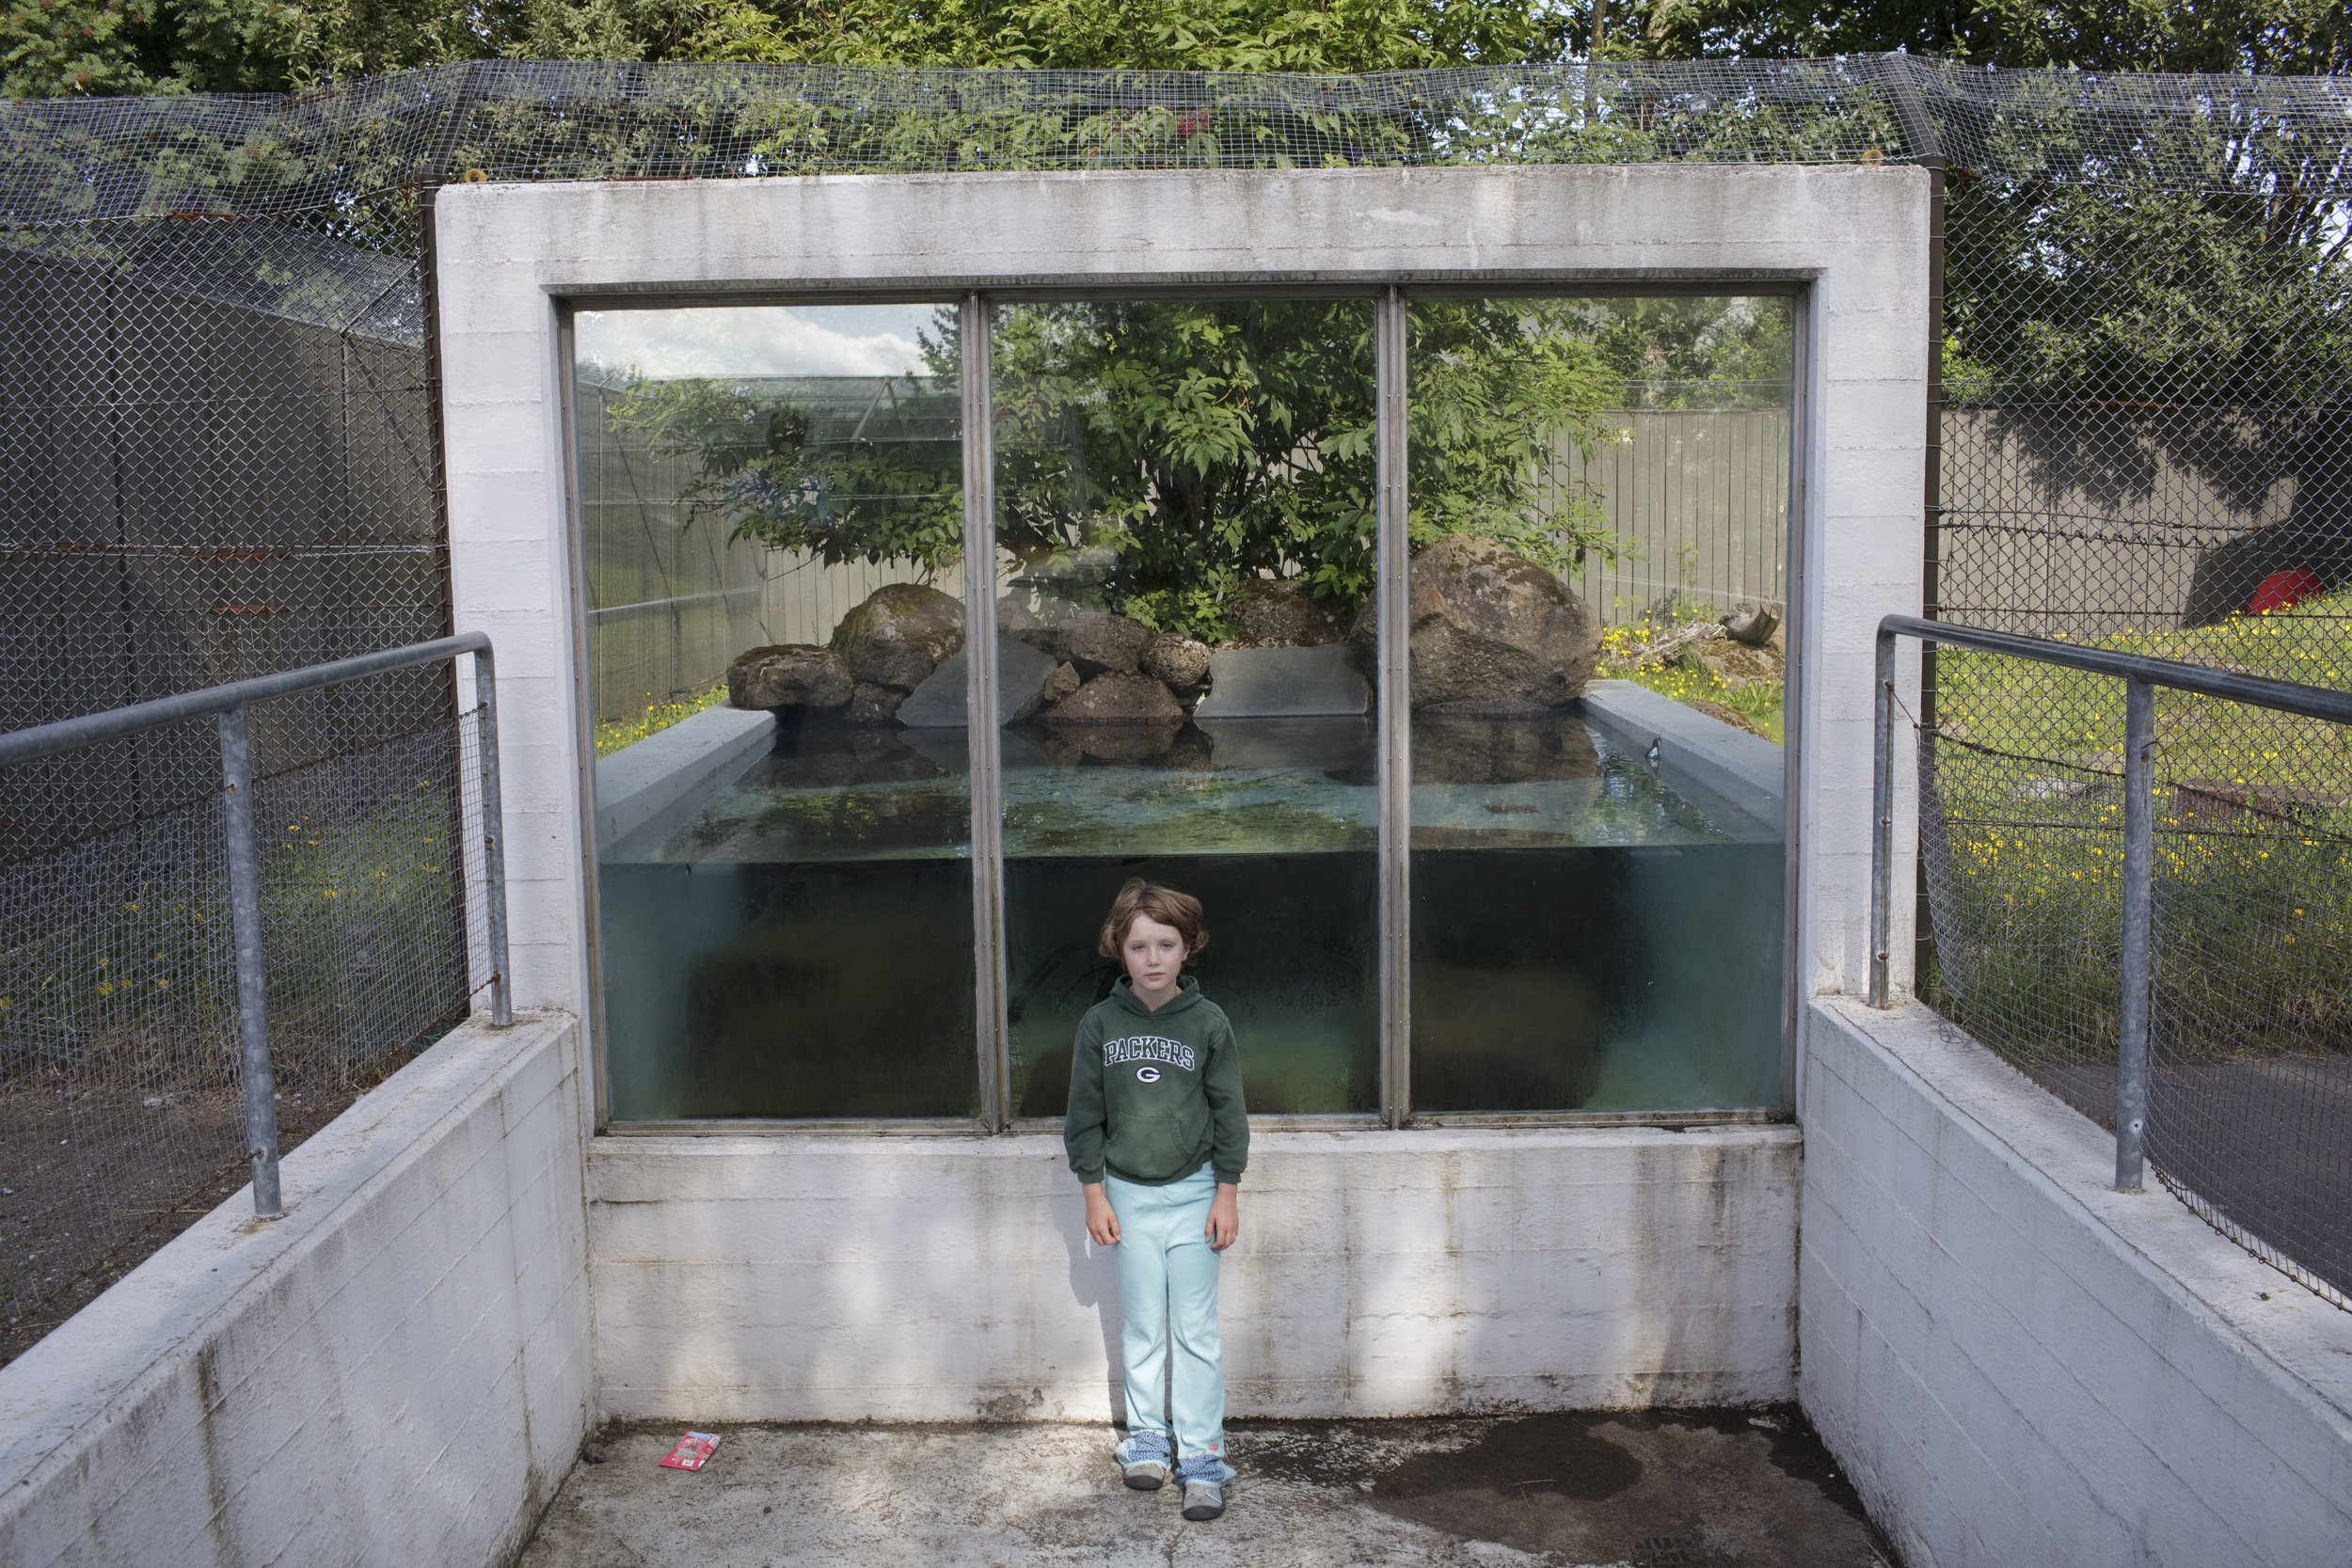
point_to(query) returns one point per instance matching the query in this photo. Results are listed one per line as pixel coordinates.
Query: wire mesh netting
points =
(121, 1103)
(219, 456)
(2144, 448)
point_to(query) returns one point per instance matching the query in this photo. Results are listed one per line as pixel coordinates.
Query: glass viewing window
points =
(1181, 502)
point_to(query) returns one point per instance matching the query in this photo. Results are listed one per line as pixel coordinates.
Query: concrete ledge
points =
(806, 1277)
(395, 1372)
(677, 766)
(1704, 759)
(2018, 1364)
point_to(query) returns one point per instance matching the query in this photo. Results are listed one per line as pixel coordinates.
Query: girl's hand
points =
(1224, 1216)
(1102, 1223)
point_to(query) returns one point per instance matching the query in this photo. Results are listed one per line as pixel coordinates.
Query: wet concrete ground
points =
(1694, 1489)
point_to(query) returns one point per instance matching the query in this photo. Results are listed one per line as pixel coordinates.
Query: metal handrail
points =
(226, 705)
(2141, 674)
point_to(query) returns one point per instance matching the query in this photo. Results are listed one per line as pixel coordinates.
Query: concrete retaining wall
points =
(1379, 1274)
(396, 1373)
(2020, 1366)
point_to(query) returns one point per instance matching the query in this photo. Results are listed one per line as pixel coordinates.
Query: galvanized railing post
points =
(1883, 824)
(245, 903)
(493, 839)
(2139, 866)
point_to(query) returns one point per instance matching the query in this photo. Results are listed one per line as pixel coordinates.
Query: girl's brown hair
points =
(1162, 903)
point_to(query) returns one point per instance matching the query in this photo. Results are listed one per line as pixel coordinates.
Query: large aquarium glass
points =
(1184, 512)
(1181, 522)
(771, 502)
(1594, 927)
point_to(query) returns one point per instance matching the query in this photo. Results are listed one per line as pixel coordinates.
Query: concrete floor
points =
(1706, 1489)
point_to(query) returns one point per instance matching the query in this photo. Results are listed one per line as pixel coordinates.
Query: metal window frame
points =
(1392, 294)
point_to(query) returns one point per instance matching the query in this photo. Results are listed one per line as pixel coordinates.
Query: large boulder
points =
(1492, 632)
(870, 703)
(941, 702)
(788, 674)
(899, 635)
(1100, 643)
(1270, 613)
(1117, 697)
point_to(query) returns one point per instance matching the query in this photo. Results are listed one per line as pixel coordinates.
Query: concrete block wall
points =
(1377, 1274)
(395, 1372)
(2017, 1364)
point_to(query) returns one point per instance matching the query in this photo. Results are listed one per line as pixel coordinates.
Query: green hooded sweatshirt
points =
(1152, 1096)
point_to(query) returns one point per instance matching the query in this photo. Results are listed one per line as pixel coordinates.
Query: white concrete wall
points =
(1377, 1274)
(800, 1275)
(395, 1372)
(1856, 236)
(2020, 1366)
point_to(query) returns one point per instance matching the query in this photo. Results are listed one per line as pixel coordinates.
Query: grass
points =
(614, 734)
(2254, 849)
(1686, 678)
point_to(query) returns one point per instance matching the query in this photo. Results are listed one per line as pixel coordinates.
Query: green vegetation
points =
(358, 927)
(614, 734)
(2253, 847)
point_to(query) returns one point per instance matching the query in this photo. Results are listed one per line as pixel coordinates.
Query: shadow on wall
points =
(2316, 537)
(2270, 483)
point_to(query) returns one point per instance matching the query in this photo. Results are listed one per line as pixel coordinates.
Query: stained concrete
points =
(1707, 1489)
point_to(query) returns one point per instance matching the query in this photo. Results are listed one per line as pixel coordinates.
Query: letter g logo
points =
(1147, 1075)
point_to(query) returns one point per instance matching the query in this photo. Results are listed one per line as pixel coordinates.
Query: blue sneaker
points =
(1143, 1460)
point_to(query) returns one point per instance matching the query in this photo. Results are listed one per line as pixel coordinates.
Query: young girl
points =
(1158, 1137)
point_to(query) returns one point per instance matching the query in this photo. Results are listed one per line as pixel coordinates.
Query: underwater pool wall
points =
(776, 1270)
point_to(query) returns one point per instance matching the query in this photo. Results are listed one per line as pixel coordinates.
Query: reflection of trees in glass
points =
(1205, 442)
(845, 468)
(1708, 352)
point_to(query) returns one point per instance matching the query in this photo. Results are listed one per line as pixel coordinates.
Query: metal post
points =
(1883, 823)
(1393, 555)
(2139, 866)
(982, 714)
(245, 902)
(493, 839)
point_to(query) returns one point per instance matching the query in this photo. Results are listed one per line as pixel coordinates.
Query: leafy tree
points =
(1205, 442)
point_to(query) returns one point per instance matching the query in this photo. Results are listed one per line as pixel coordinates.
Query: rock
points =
(1022, 673)
(873, 705)
(1017, 620)
(1492, 632)
(592, 1454)
(1130, 744)
(1752, 625)
(1098, 642)
(1282, 683)
(1270, 613)
(1062, 682)
(899, 635)
(1117, 697)
(1179, 661)
(788, 674)
(1738, 664)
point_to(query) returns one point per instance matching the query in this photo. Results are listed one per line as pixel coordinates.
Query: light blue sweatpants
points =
(1168, 1291)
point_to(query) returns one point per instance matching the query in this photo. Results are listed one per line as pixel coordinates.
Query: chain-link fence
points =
(219, 452)
(121, 1100)
(2144, 448)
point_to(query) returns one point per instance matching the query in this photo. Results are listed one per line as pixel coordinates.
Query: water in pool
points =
(1583, 938)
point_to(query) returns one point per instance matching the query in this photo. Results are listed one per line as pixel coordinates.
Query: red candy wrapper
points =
(692, 1453)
